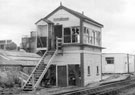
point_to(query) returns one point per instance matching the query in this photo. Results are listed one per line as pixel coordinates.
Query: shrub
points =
(9, 79)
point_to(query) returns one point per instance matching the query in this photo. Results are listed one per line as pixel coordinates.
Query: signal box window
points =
(110, 60)
(71, 35)
(67, 35)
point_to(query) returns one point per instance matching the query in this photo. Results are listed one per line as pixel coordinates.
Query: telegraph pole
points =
(128, 63)
(134, 63)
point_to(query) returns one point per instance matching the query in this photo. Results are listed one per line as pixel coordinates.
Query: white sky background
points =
(17, 18)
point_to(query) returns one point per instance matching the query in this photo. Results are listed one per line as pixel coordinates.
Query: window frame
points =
(97, 67)
(91, 36)
(111, 59)
(89, 71)
(71, 35)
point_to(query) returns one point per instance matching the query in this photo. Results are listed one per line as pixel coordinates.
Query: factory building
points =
(118, 63)
(71, 47)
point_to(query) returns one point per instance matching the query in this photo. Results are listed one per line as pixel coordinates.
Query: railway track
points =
(107, 89)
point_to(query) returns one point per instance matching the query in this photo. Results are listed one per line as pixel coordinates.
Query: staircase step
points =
(27, 89)
(37, 76)
(39, 70)
(29, 84)
(36, 80)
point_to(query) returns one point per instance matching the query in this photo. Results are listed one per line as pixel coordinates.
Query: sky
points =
(18, 17)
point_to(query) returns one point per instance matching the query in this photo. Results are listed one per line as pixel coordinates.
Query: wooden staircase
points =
(41, 69)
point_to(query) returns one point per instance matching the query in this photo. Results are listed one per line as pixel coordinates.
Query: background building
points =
(16, 60)
(29, 43)
(7, 45)
(118, 63)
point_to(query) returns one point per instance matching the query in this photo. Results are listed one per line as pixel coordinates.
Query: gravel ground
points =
(128, 92)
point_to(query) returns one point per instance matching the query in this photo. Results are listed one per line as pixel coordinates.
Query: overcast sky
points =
(17, 18)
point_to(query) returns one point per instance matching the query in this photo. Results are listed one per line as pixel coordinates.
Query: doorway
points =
(74, 75)
(57, 33)
(62, 76)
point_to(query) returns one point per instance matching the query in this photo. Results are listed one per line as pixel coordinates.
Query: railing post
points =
(57, 43)
(33, 82)
(21, 79)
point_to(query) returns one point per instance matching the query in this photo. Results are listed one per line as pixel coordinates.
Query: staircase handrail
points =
(45, 70)
(35, 68)
(22, 75)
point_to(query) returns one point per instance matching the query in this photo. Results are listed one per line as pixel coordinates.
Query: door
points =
(74, 75)
(62, 76)
(58, 31)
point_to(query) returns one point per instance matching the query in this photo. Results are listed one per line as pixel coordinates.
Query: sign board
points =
(61, 19)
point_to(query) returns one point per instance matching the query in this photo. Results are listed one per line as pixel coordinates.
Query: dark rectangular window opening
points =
(67, 35)
(97, 70)
(71, 35)
(110, 60)
(88, 70)
(41, 42)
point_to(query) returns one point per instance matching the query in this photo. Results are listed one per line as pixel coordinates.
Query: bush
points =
(9, 79)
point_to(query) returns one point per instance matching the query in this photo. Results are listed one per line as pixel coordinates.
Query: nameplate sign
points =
(61, 19)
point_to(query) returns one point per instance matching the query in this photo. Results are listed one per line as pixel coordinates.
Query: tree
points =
(11, 46)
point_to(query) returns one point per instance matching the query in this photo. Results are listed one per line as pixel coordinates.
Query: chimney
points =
(82, 12)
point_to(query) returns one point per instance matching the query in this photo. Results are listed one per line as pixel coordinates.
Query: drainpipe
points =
(128, 63)
(101, 66)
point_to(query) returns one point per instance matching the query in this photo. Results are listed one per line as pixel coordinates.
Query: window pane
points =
(67, 31)
(93, 37)
(98, 38)
(75, 35)
(86, 39)
(41, 42)
(110, 60)
(74, 38)
(67, 39)
(84, 30)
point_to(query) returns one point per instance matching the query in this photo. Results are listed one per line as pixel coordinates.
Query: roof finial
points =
(83, 12)
(60, 3)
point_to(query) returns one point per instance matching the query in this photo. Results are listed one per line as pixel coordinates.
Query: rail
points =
(23, 76)
(102, 89)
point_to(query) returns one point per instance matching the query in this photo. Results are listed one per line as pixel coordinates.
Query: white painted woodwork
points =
(42, 30)
(70, 58)
(41, 23)
(90, 26)
(72, 21)
(93, 61)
